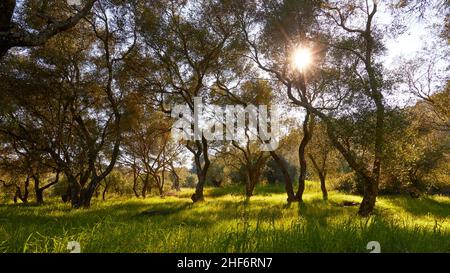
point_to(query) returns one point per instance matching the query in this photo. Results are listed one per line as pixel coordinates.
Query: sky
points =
(408, 44)
(415, 41)
(416, 37)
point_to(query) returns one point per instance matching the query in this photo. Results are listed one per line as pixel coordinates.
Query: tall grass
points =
(227, 222)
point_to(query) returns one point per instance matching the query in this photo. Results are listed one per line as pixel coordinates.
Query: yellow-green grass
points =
(227, 222)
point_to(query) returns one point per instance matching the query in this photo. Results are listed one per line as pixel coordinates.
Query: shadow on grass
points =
(260, 190)
(173, 209)
(422, 207)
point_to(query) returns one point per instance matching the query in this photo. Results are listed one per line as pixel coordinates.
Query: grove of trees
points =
(87, 93)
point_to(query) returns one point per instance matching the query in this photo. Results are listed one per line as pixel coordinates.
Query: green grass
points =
(227, 222)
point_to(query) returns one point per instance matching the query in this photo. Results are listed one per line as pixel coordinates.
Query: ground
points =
(227, 222)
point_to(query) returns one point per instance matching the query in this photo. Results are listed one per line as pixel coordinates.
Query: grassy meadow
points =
(227, 222)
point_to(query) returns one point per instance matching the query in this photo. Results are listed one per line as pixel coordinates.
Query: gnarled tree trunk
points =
(201, 170)
(22, 197)
(302, 157)
(253, 177)
(322, 172)
(39, 191)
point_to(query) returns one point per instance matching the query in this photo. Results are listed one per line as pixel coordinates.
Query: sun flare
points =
(302, 58)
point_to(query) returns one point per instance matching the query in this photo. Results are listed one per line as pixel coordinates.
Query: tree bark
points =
(323, 187)
(18, 193)
(201, 170)
(175, 177)
(253, 176)
(24, 197)
(302, 157)
(252, 180)
(39, 196)
(75, 191)
(80, 197)
(66, 197)
(249, 189)
(39, 191)
(145, 186)
(322, 172)
(371, 185)
(104, 191)
(198, 195)
(161, 188)
(135, 180)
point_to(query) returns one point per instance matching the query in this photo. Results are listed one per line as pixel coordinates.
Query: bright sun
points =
(302, 58)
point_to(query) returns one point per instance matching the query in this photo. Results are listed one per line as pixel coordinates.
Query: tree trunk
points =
(253, 177)
(286, 176)
(176, 179)
(18, 195)
(176, 185)
(66, 197)
(75, 192)
(135, 189)
(371, 185)
(248, 189)
(162, 182)
(26, 192)
(81, 197)
(322, 172)
(302, 157)
(159, 183)
(39, 196)
(161, 191)
(97, 193)
(369, 199)
(104, 191)
(145, 186)
(86, 197)
(24, 197)
(135, 181)
(323, 187)
(144, 191)
(38, 192)
(217, 183)
(201, 171)
(198, 195)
